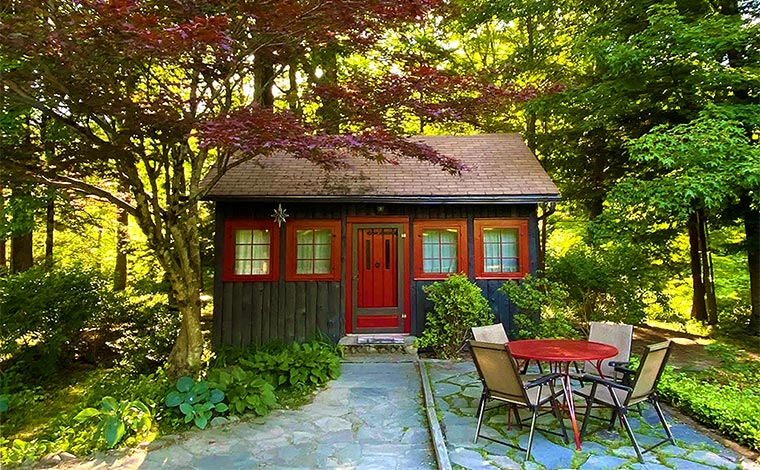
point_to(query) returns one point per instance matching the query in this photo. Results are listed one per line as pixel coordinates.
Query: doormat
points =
(379, 340)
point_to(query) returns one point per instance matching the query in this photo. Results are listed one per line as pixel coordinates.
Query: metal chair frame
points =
(502, 383)
(619, 397)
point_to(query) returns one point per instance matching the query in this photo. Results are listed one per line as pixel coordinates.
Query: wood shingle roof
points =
(501, 168)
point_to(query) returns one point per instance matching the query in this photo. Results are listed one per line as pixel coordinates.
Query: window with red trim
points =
(501, 248)
(440, 248)
(313, 250)
(251, 250)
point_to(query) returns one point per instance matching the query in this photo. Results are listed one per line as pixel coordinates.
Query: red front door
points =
(378, 300)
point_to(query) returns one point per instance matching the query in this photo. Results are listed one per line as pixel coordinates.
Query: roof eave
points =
(503, 199)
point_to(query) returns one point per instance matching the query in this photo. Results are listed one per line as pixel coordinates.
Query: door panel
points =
(378, 302)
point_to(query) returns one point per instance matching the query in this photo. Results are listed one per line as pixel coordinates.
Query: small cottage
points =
(302, 251)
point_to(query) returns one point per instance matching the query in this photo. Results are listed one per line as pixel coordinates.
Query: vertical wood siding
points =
(257, 313)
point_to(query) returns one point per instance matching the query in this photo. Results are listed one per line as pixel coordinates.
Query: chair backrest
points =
(490, 334)
(649, 372)
(498, 372)
(616, 334)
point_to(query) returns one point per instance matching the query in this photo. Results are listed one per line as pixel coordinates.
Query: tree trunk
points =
(329, 111)
(122, 240)
(752, 231)
(21, 252)
(49, 232)
(263, 79)
(707, 273)
(3, 248)
(698, 307)
(185, 357)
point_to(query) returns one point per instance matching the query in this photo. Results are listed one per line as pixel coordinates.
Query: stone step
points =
(362, 344)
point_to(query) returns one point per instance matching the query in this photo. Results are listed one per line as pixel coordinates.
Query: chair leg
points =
(481, 411)
(633, 438)
(558, 414)
(586, 417)
(656, 405)
(532, 431)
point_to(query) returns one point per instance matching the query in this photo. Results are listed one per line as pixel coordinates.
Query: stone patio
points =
(456, 391)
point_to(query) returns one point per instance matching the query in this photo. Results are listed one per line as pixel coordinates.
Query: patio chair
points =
(620, 398)
(502, 383)
(617, 334)
(496, 334)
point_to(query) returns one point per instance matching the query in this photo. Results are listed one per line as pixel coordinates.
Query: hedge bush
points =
(458, 305)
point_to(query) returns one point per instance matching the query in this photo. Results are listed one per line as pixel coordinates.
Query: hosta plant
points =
(196, 401)
(117, 418)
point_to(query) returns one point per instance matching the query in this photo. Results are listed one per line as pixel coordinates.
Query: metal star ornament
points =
(279, 215)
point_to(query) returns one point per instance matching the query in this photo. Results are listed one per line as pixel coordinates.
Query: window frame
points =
(291, 242)
(228, 270)
(523, 254)
(419, 226)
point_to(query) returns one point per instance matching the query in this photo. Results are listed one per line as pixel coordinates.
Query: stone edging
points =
(439, 444)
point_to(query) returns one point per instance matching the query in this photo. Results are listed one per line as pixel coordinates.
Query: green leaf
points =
(216, 395)
(221, 408)
(187, 409)
(109, 404)
(201, 421)
(184, 384)
(173, 399)
(114, 431)
(85, 414)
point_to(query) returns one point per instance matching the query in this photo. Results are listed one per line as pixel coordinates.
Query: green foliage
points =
(45, 314)
(244, 389)
(21, 452)
(612, 282)
(197, 401)
(300, 366)
(116, 418)
(147, 331)
(458, 305)
(551, 325)
(726, 398)
(533, 294)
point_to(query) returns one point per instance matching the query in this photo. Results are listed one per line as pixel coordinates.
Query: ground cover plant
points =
(726, 398)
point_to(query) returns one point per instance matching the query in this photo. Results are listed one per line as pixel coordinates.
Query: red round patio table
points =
(564, 351)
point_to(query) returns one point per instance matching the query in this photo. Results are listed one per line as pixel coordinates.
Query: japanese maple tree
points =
(158, 94)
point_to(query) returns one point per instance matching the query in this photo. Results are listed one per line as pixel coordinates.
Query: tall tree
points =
(157, 93)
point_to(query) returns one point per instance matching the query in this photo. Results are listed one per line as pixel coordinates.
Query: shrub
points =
(46, 314)
(542, 307)
(146, 334)
(458, 305)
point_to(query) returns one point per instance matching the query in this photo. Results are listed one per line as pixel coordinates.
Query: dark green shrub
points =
(146, 334)
(609, 283)
(458, 305)
(47, 316)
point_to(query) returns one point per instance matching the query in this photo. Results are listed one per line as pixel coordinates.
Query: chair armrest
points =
(542, 380)
(626, 373)
(618, 363)
(605, 382)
